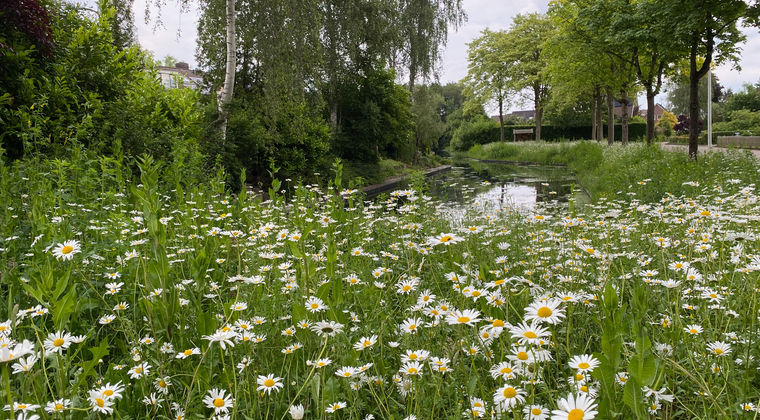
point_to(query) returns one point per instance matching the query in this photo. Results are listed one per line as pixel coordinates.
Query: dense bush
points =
(479, 131)
(90, 92)
(375, 119)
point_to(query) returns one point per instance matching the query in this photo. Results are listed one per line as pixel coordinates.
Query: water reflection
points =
(491, 187)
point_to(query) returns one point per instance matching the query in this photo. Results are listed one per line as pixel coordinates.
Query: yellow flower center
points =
(218, 402)
(314, 306)
(575, 414)
(108, 392)
(58, 407)
(412, 371)
(463, 319)
(475, 293)
(498, 323)
(529, 334)
(693, 331)
(446, 238)
(162, 384)
(718, 351)
(506, 370)
(67, 249)
(100, 402)
(583, 365)
(544, 312)
(412, 356)
(188, 352)
(510, 392)
(535, 411)
(584, 388)
(522, 355)
(269, 383)
(578, 377)
(407, 287)
(367, 344)
(58, 342)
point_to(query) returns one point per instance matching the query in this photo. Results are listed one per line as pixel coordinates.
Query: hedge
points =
(467, 137)
(556, 133)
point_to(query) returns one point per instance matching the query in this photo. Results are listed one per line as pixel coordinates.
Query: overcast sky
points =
(177, 38)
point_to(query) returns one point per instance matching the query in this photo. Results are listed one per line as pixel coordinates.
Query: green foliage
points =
(741, 120)
(479, 131)
(296, 139)
(748, 98)
(375, 119)
(429, 126)
(95, 94)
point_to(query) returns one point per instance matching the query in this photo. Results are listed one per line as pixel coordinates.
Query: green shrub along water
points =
(484, 131)
(606, 171)
(154, 296)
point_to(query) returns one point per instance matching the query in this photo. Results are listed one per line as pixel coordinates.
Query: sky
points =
(176, 37)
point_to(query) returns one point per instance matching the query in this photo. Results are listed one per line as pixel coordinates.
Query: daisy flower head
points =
(335, 407)
(315, 304)
(719, 348)
(218, 400)
(548, 311)
(529, 334)
(139, 371)
(66, 250)
(508, 396)
(411, 368)
(535, 412)
(57, 342)
(466, 317)
(365, 342)
(584, 363)
(57, 406)
(100, 403)
(111, 391)
(10, 351)
(411, 325)
(444, 239)
(575, 408)
(268, 383)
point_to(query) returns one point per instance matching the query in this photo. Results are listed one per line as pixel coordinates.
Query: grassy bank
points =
(377, 172)
(631, 172)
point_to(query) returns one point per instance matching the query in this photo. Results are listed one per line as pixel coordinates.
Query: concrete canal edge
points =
(393, 182)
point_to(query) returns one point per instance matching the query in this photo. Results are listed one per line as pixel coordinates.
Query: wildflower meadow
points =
(126, 297)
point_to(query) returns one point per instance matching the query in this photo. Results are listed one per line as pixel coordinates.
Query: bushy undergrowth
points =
(135, 297)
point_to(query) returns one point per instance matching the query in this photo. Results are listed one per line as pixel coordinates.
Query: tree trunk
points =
(650, 115)
(594, 110)
(501, 119)
(229, 74)
(693, 116)
(539, 112)
(610, 118)
(599, 125)
(624, 116)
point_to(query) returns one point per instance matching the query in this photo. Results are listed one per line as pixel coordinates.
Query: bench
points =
(523, 134)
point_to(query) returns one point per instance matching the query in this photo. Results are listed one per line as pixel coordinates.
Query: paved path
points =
(703, 148)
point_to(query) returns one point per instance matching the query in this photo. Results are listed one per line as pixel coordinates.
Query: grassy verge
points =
(632, 172)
